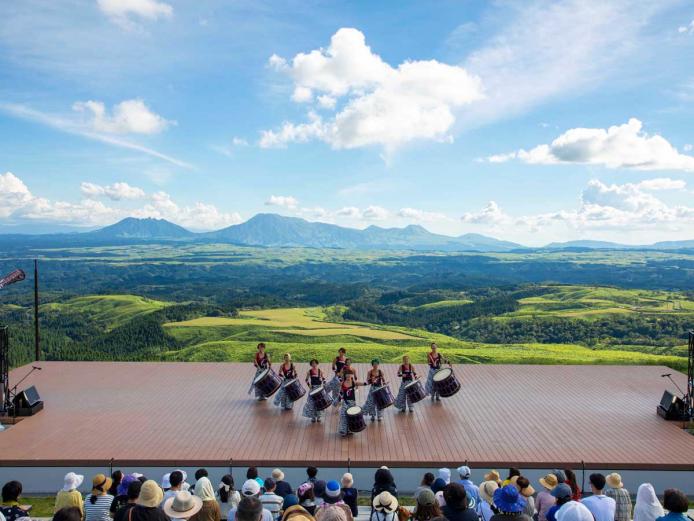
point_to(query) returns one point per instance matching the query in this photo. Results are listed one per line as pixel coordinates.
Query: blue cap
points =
(562, 490)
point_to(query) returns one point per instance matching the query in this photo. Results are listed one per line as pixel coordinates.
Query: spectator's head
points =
(204, 489)
(333, 492)
(464, 472)
(166, 481)
(574, 511)
(614, 480)
(347, 480)
(133, 491)
(249, 509)
(151, 494)
(597, 482)
(562, 492)
(72, 481)
(455, 496)
(549, 482)
(200, 473)
(225, 487)
(182, 505)
(305, 492)
(125, 483)
(383, 477)
(675, 501)
(493, 475)
(508, 500)
(289, 501)
(513, 472)
(250, 488)
(100, 485)
(269, 485)
(385, 502)
(278, 475)
(252, 473)
(68, 514)
(487, 489)
(333, 513)
(176, 479)
(427, 505)
(524, 487)
(570, 477)
(438, 485)
(311, 472)
(445, 474)
(428, 479)
(319, 488)
(561, 476)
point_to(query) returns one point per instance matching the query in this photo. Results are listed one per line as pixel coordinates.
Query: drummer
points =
(435, 360)
(376, 379)
(333, 386)
(288, 373)
(314, 379)
(348, 397)
(261, 361)
(408, 373)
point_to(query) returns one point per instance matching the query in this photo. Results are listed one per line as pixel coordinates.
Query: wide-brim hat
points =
(508, 499)
(151, 494)
(549, 481)
(182, 505)
(385, 502)
(614, 480)
(101, 484)
(277, 475)
(492, 475)
(487, 489)
(72, 481)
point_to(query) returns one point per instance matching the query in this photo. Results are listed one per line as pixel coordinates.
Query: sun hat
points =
(250, 488)
(426, 497)
(487, 489)
(165, 481)
(277, 475)
(561, 491)
(347, 480)
(72, 481)
(125, 483)
(464, 471)
(101, 484)
(549, 481)
(151, 494)
(385, 502)
(508, 499)
(492, 475)
(298, 513)
(574, 511)
(182, 505)
(445, 474)
(614, 480)
(333, 492)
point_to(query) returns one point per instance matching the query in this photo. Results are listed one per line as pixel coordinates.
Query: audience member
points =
(601, 506)
(676, 503)
(647, 506)
(116, 478)
(332, 513)
(562, 495)
(427, 507)
(270, 500)
(384, 507)
(69, 496)
(510, 503)
(545, 500)
(122, 497)
(97, 504)
(282, 488)
(296, 513)
(349, 493)
(312, 472)
(68, 514)
(473, 494)
(512, 473)
(487, 509)
(319, 492)
(383, 482)
(333, 497)
(210, 510)
(307, 498)
(574, 511)
(249, 509)
(252, 473)
(493, 475)
(573, 483)
(427, 481)
(132, 494)
(147, 504)
(228, 497)
(182, 504)
(175, 482)
(456, 507)
(527, 491)
(621, 496)
(250, 489)
(289, 501)
(560, 474)
(445, 474)
(10, 508)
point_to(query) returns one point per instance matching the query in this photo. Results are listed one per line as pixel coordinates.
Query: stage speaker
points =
(28, 402)
(672, 407)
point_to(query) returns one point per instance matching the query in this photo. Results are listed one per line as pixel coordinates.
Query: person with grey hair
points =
(249, 509)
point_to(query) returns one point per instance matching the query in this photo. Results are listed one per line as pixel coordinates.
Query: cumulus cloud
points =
(491, 214)
(384, 105)
(375, 213)
(122, 12)
(14, 194)
(128, 117)
(199, 216)
(417, 215)
(686, 29)
(619, 146)
(287, 201)
(115, 192)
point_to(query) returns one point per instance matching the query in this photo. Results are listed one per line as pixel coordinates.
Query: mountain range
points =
(272, 230)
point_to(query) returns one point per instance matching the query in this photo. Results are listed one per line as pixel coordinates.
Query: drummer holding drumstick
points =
(348, 397)
(314, 379)
(435, 360)
(407, 372)
(375, 378)
(261, 361)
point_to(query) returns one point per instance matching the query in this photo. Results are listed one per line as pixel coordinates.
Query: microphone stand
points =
(13, 392)
(673, 383)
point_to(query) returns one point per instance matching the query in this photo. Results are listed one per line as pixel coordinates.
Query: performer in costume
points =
(287, 373)
(375, 378)
(314, 378)
(435, 360)
(407, 372)
(260, 362)
(348, 397)
(333, 386)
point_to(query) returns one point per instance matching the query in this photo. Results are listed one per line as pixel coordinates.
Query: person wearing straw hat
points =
(384, 507)
(493, 475)
(175, 481)
(147, 505)
(349, 493)
(527, 491)
(620, 495)
(296, 513)
(97, 504)
(510, 503)
(69, 496)
(545, 500)
(182, 505)
(282, 488)
(486, 508)
(376, 379)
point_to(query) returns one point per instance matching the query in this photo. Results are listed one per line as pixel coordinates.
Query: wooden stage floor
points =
(162, 414)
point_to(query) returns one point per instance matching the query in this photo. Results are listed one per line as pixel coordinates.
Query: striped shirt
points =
(272, 502)
(98, 511)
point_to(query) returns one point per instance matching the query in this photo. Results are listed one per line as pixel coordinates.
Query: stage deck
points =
(159, 414)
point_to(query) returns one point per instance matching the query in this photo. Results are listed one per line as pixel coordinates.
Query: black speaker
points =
(672, 407)
(28, 402)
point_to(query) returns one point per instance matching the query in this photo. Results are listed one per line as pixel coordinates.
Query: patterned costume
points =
(261, 363)
(287, 375)
(370, 407)
(408, 374)
(349, 399)
(315, 379)
(333, 386)
(434, 365)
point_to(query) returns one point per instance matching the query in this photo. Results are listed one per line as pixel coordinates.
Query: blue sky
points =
(524, 120)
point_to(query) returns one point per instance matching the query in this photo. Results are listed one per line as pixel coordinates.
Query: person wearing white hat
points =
(250, 488)
(574, 511)
(385, 507)
(473, 493)
(182, 505)
(69, 496)
(445, 474)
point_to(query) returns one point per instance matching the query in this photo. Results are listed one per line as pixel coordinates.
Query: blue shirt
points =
(673, 516)
(473, 494)
(552, 512)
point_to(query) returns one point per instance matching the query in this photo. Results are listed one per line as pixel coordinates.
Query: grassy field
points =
(109, 310)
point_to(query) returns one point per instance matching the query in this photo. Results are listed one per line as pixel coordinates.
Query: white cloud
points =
(14, 194)
(121, 11)
(385, 106)
(115, 192)
(286, 201)
(414, 214)
(619, 146)
(239, 142)
(662, 183)
(375, 213)
(491, 214)
(688, 29)
(128, 117)
(351, 212)
(199, 216)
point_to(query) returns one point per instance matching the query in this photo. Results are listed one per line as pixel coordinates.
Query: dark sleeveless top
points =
(261, 362)
(377, 380)
(339, 364)
(407, 374)
(315, 379)
(348, 393)
(288, 374)
(435, 363)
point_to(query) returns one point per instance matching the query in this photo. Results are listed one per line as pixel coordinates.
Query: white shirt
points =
(601, 506)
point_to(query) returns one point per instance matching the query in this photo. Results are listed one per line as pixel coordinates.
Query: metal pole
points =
(37, 338)
(583, 476)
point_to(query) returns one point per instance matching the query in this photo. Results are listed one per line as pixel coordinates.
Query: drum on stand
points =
(320, 397)
(383, 397)
(446, 383)
(355, 419)
(415, 391)
(267, 382)
(294, 389)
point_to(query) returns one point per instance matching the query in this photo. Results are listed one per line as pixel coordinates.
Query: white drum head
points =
(354, 411)
(414, 382)
(261, 376)
(442, 374)
(291, 381)
(317, 390)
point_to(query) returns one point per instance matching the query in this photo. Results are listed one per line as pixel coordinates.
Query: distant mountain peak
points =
(143, 228)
